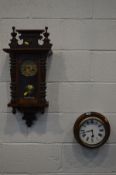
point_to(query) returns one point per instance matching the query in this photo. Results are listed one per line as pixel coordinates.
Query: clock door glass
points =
(28, 79)
(92, 131)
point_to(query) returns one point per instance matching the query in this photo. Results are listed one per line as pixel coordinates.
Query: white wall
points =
(81, 77)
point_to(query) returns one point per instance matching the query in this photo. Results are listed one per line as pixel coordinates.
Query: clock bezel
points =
(98, 116)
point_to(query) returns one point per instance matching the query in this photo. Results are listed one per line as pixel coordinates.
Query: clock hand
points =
(92, 133)
(86, 131)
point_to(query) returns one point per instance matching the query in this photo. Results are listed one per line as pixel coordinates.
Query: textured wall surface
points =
(81, 77)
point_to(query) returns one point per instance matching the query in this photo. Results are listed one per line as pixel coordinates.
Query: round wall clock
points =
(91, 130)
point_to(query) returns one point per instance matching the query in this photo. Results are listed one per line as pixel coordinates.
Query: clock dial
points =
(91, 130)
(28, 68)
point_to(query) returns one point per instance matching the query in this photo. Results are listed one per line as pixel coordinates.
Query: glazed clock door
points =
(28, 80)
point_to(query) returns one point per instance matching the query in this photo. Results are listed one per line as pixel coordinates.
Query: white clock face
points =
(91, 131)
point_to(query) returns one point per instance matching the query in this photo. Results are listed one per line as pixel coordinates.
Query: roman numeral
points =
(100, 134)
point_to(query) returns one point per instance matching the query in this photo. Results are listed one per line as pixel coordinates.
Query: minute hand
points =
(86, 131)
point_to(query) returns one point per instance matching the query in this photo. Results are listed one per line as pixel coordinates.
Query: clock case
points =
(36, 47)
(104, 121)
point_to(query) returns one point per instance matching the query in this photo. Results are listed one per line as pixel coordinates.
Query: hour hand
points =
(92, 133)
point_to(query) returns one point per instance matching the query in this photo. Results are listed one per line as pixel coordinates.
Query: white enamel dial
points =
(91, 131)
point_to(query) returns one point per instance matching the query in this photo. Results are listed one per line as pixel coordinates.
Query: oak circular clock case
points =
(91, 130)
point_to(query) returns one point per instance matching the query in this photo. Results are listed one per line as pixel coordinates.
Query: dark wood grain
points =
(30, 49)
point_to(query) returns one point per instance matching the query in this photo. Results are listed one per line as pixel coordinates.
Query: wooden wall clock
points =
(91, 130)
(28, 72)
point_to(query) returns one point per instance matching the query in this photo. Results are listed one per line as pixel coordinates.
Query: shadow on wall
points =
(55, 75)
(14, 125)
(80, 159)
(4, 67)
(56, 70)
